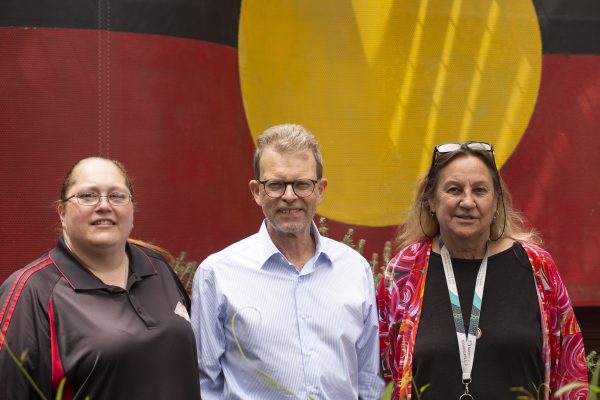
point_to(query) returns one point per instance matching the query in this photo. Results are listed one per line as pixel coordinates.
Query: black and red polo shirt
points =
(107, 342)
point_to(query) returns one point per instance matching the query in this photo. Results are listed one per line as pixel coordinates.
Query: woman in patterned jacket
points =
(472, 307)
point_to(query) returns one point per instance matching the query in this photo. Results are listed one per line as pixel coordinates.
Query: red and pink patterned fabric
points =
(400, 297)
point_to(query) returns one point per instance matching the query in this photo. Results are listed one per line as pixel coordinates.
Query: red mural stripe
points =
(551, 175)
(184, 112)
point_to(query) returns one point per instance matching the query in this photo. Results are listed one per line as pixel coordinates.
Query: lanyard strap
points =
(466, 340)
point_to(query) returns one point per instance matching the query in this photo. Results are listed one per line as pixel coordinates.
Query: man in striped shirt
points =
(286, 312)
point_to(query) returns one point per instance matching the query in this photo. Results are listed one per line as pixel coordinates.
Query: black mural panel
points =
(569, 26)
(209, 20)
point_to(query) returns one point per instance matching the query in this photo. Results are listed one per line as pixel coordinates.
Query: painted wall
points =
(178, 89)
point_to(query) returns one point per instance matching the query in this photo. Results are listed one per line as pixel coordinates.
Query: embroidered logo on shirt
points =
(182, 311)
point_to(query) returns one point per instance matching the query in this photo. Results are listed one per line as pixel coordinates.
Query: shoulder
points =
(544, 268)
(341, 253)
(32, 284)
(153, 255)
(34, 276)
(409, 264)
(244, 248)
(148, 259)
(413, 252)
(534, 248)
(338, 248)
(152, 258)
(537, 255)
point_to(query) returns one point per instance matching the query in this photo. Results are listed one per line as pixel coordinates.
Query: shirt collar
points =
(80, 278)
(268, 249)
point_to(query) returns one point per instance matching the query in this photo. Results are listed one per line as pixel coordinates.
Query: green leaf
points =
(389, 389)
(568, 387)
(59, 391)
(424, 388)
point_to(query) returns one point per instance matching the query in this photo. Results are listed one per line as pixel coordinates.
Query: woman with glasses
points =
(96, 317)
(472, 307)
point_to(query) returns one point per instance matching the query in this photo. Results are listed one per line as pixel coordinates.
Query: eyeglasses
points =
(93, 198)
(452, 147)
(301, 187)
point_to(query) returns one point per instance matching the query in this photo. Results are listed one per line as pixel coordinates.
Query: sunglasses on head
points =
(452, 147)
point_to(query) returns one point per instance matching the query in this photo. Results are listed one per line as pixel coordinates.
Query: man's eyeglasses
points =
(301, 187)
(452, 147)
(93, 198)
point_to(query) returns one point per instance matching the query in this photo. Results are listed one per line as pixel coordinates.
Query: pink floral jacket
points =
(400, 297)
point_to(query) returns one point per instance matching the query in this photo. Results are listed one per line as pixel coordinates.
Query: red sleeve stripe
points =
(15, 293)
(58, 373)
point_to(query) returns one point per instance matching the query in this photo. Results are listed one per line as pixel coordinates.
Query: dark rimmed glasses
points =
(93, 198)
(452, 147)
(302, 187)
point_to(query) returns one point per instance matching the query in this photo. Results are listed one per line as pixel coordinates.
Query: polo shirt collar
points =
(80, 278)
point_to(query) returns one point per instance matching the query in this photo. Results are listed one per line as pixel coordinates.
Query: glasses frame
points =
(289, 183)
(474, 146)
(98, 199)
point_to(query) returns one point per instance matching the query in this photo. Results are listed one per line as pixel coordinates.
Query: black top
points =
(108, 342)
(509, 351)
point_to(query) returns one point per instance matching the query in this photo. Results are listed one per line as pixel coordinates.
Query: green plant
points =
(185, 271)
(377, 267)
(593, 362)
(526, 394)
(262, 375)
(387, 394)
(19, 362)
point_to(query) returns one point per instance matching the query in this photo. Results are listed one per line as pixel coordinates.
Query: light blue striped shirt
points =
(300, 335)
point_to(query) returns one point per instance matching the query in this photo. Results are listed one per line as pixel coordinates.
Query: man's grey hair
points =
(287, 139)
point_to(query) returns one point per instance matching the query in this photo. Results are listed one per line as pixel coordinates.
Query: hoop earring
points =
(503, 220)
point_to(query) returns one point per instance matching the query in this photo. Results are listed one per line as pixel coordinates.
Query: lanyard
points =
(466, 340)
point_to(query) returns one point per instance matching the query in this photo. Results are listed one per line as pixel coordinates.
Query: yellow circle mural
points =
(381, 83)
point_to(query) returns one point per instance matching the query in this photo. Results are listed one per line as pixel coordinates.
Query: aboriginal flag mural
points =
(178, 89)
